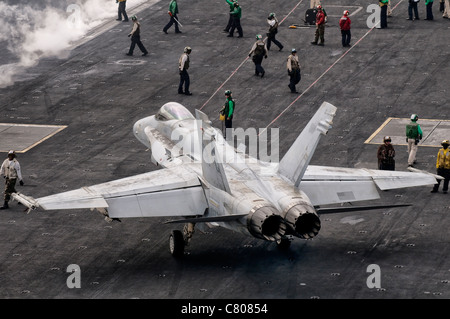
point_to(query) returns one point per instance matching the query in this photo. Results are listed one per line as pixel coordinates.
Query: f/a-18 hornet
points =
(205, 182)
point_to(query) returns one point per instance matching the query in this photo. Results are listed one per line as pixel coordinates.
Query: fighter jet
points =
(206, 182)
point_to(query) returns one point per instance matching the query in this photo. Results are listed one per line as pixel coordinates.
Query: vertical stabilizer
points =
(293, 165)
(212, 158)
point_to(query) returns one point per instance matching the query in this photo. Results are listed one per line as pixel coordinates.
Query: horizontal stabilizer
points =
(332, 185)
(385, 181)
(226, 218)
(331, 210)
(415, 170)
(339, 191)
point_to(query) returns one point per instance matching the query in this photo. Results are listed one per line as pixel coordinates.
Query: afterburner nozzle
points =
(265, 222)
(302, 221)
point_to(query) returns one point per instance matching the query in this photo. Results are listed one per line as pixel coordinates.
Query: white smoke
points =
(31, 34)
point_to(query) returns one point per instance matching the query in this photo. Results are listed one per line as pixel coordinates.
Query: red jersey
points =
(344, 23)
(320, 17)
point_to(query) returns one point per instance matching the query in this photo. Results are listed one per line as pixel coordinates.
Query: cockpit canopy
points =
(173, 111)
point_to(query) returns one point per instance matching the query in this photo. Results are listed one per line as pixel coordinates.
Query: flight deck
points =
(70, 118)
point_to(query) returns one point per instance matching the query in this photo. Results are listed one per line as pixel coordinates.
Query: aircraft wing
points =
(174, 191)
(330, 185)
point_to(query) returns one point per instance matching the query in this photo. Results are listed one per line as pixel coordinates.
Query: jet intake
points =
(264, 222)
(302, 221)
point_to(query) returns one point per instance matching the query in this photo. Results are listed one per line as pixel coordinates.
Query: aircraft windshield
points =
(173, 111)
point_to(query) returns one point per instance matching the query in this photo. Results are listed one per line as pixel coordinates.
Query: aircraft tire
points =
(176, 243)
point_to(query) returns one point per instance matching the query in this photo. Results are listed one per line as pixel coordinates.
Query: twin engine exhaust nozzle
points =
(300, 220)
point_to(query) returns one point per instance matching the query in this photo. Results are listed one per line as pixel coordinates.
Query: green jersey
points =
(231, 3)
(173, 7)
(413, 130)
(229, 108)
(237, 12)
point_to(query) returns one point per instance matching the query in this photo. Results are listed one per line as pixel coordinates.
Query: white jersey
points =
(11, 169)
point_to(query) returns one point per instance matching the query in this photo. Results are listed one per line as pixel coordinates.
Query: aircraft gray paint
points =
(205, 182)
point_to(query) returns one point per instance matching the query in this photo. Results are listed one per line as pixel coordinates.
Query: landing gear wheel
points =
(176, 243)
(284, 243)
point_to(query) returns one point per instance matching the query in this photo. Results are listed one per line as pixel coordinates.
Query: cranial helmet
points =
(414, 117)
(319, 7)
(346, 12)
(445, 142)
(134, 18)
(258, 37)
(293, 50)
(227, 92)
(386, 139)
(271, 15)
(187, 50)
(11, 152)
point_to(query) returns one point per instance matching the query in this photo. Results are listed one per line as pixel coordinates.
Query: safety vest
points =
(443, 159)
(386, 154)
(412, 130)
(11, 169)
(186, 63)
(229, 108)
(260, 50)
(294, 62)
(273, 28)
(137, 33)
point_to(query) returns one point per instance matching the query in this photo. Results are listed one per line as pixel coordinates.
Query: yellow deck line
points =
(371, 137)
(60, 128)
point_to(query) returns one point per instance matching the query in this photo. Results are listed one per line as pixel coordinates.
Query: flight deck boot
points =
(5, 205)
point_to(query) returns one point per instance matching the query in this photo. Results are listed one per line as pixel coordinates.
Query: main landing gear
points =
(179, 240)
(176, 243)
